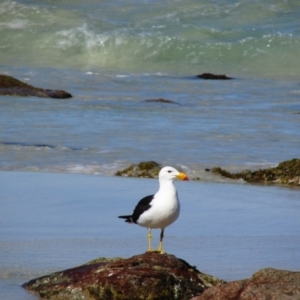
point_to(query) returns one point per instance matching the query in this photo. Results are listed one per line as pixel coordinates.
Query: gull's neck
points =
(166, 185)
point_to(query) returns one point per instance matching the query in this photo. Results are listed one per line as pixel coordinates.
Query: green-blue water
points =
(242, 38)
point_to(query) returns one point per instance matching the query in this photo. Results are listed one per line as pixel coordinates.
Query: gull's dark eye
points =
(169, 171)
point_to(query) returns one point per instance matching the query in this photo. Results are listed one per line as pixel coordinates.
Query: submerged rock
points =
(148, 169)
(161, 100)
(14, 87)
(146, 276)
(213, 76)
(265, 284)
(287, 172)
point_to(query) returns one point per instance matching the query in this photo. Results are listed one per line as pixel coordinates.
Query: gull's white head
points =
(170, 173)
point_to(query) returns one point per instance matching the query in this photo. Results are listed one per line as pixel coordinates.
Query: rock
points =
(149, 169)
(265, 284)
(213, 76)
(14, 87)
(287, 172)
(59, 94)
(147, 276)
(161, 100)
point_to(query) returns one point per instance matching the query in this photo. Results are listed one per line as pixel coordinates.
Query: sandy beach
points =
(55, 221)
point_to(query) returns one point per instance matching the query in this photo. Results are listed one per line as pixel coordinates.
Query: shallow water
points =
(51, 222)
(227, 124)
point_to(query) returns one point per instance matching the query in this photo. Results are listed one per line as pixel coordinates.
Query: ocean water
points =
(113, 55)
(185, 37)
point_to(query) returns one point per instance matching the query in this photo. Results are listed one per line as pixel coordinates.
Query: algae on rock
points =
(287, 172)
(148, 169)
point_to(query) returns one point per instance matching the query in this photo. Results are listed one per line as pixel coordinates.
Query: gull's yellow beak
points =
(182, 176)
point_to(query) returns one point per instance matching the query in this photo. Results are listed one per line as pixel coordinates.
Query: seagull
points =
(161, 209)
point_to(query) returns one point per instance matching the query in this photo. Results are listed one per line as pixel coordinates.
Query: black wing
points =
(142, 206)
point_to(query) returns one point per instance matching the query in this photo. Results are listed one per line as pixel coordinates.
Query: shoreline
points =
(285, 174)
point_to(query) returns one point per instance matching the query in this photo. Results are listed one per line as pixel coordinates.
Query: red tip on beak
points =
(182, 176)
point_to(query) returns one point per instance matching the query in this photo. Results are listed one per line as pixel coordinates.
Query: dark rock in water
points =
(213, 76)
(59, 94)
(287, 172)
(22, 144)
(14, 87)
(161, 100)
(149, 169)
(265, 284)
(146, 276)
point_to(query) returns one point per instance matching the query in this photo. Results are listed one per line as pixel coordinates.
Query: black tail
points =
(128, 219)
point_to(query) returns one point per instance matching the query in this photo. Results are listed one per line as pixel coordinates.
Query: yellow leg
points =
(149, 240)
(160, 249)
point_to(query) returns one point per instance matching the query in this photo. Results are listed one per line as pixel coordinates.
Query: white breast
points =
(165, 209)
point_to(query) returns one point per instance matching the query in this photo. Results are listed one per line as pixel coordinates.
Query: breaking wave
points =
(190, 37)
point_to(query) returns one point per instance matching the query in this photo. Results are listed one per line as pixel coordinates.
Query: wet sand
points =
(53, 221)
